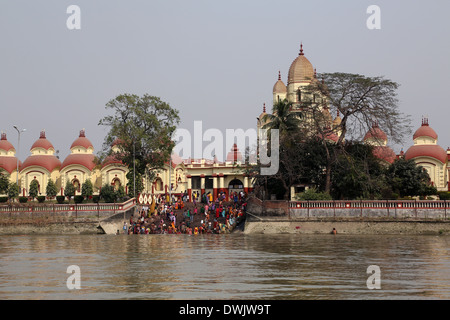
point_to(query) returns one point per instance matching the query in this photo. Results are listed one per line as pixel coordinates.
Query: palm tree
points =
(283, 118)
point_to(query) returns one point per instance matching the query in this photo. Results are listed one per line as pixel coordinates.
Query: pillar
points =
(246, 184)
(202, 184)
(222, 185)
(215, 189)
(189, 187)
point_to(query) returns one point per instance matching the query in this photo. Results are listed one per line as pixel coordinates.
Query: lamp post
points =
(18, 150)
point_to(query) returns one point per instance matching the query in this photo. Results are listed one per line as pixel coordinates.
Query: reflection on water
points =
(232, 266)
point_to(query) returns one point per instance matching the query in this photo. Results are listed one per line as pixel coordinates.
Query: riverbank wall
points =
(64, 219)
(348, 217)
(48, 227)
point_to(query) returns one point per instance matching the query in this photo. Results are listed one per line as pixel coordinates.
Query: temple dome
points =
(5, 144)
(427, 150)
(82, 141)
(84, 159)
(279, 86)
(384, 153)
(47, 161)
(42, 142)
(425, 131)
(376, 133)
(301, 69)
(7, 162)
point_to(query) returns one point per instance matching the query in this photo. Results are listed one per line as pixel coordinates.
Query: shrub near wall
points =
(23, 199)
(3, 199)
(78, 199)
(444, 195)
(60, 199)
(40, 199)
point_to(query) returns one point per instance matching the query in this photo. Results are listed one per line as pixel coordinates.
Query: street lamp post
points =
(18, 150)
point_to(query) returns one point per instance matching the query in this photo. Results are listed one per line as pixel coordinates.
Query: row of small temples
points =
(179, 177)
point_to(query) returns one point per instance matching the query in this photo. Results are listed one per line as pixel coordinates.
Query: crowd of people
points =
(204, 215)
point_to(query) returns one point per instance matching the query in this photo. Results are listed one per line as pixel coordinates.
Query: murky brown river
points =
(232, 266)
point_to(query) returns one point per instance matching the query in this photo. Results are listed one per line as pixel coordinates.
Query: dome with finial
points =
(46, 159)
(425, 131)
(301, 69)
(261, 121)
(5, 145)
(8, 160)
(42, 142)
(82, 141)
(81, 153)
(279, 86)
(425, 144)
(376, 134)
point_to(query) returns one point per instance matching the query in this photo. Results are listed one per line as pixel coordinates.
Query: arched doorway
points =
(116, 183)
(235, 185)
(158, 184)
(76, 183)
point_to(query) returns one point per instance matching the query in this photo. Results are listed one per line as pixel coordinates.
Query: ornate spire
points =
(82, 133)
(264, 107)
(42, 135)
(315, 73)
(301, 49)
(279, 75)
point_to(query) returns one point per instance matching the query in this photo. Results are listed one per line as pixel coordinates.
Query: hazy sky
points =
(215, 61)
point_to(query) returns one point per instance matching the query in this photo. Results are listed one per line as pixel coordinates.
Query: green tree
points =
(299, 162)
(142, 128)
(4, 183)
(34, 189)
(313, 194)
(120, 192)
(361, 101)
(131, 181)
(108, 193)
(409, 179)
(284, 118)
(13, 190)
(69, 190)
(51, 189)
(87, 189)
(358, 174)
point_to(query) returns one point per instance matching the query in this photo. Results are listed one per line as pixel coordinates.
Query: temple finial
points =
(301, 49)
(279, 75)
(264, 107)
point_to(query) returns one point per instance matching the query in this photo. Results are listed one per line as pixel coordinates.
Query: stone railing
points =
(68, 210)
(420, 209)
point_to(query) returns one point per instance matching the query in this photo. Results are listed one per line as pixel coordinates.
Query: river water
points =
(234, 266)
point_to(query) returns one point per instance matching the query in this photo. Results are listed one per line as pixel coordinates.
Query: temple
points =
(199, 176)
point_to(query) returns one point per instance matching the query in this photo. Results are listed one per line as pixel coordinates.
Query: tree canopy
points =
(331, 157)
(142, 128)
(361, 101)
